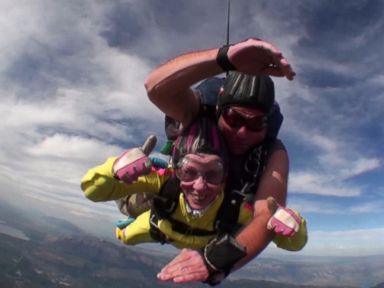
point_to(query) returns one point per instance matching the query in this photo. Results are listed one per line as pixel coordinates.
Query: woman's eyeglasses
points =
(190, 170)
(236, 119)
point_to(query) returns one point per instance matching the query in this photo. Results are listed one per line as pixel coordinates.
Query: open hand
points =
(188, 266)
(254, 56)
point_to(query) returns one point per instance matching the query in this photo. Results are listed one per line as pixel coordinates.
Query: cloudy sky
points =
(72, 94)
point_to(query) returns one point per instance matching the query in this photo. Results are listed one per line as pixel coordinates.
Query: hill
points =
(50, 252)
(86, 261)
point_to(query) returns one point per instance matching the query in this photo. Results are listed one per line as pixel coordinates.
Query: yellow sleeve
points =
(294, 243)
(137, 232)
(99, 184)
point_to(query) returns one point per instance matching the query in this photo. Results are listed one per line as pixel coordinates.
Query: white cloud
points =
(360, 242)
(349, 242)
(332, 161)
(51, 141)
(367, 208)
(361, 166)
(331, 207)
(320, 183)
(71, 148)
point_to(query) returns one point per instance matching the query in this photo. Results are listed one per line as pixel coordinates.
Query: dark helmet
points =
(246, 90)
(201, 136)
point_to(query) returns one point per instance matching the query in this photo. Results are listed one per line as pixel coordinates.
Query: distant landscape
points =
(48, 252)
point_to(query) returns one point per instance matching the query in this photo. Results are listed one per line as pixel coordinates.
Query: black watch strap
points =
(222, 59)
(220, 255)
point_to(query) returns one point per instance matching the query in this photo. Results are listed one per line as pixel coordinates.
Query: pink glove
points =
(134, 162)
(284, 221)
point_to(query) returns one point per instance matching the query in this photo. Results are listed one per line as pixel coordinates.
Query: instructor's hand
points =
(254, 56)
(188, 266)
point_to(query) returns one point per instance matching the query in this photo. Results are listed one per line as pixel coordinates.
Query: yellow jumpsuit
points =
(99, 184)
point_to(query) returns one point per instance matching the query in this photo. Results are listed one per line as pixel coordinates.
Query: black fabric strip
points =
(222, 59)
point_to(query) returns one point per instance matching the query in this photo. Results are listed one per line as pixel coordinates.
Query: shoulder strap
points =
(227, 217)
(165, 203)
(228, 214)
(254, 166)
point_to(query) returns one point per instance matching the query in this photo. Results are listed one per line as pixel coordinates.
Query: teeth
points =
(198, 198)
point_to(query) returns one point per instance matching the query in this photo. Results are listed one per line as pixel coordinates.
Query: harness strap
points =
(253, 168)
(155, 232)
(183, 228)
(163, 206)
(165, 203)
(177, 226)
(228, 214)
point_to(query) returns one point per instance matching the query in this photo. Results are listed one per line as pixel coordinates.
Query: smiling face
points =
(201, 178)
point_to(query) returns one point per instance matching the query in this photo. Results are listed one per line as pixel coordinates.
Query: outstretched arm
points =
(116, 178)
(255, 236)
(168, 86)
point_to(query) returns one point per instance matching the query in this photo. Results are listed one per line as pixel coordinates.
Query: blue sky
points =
(72, 94)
